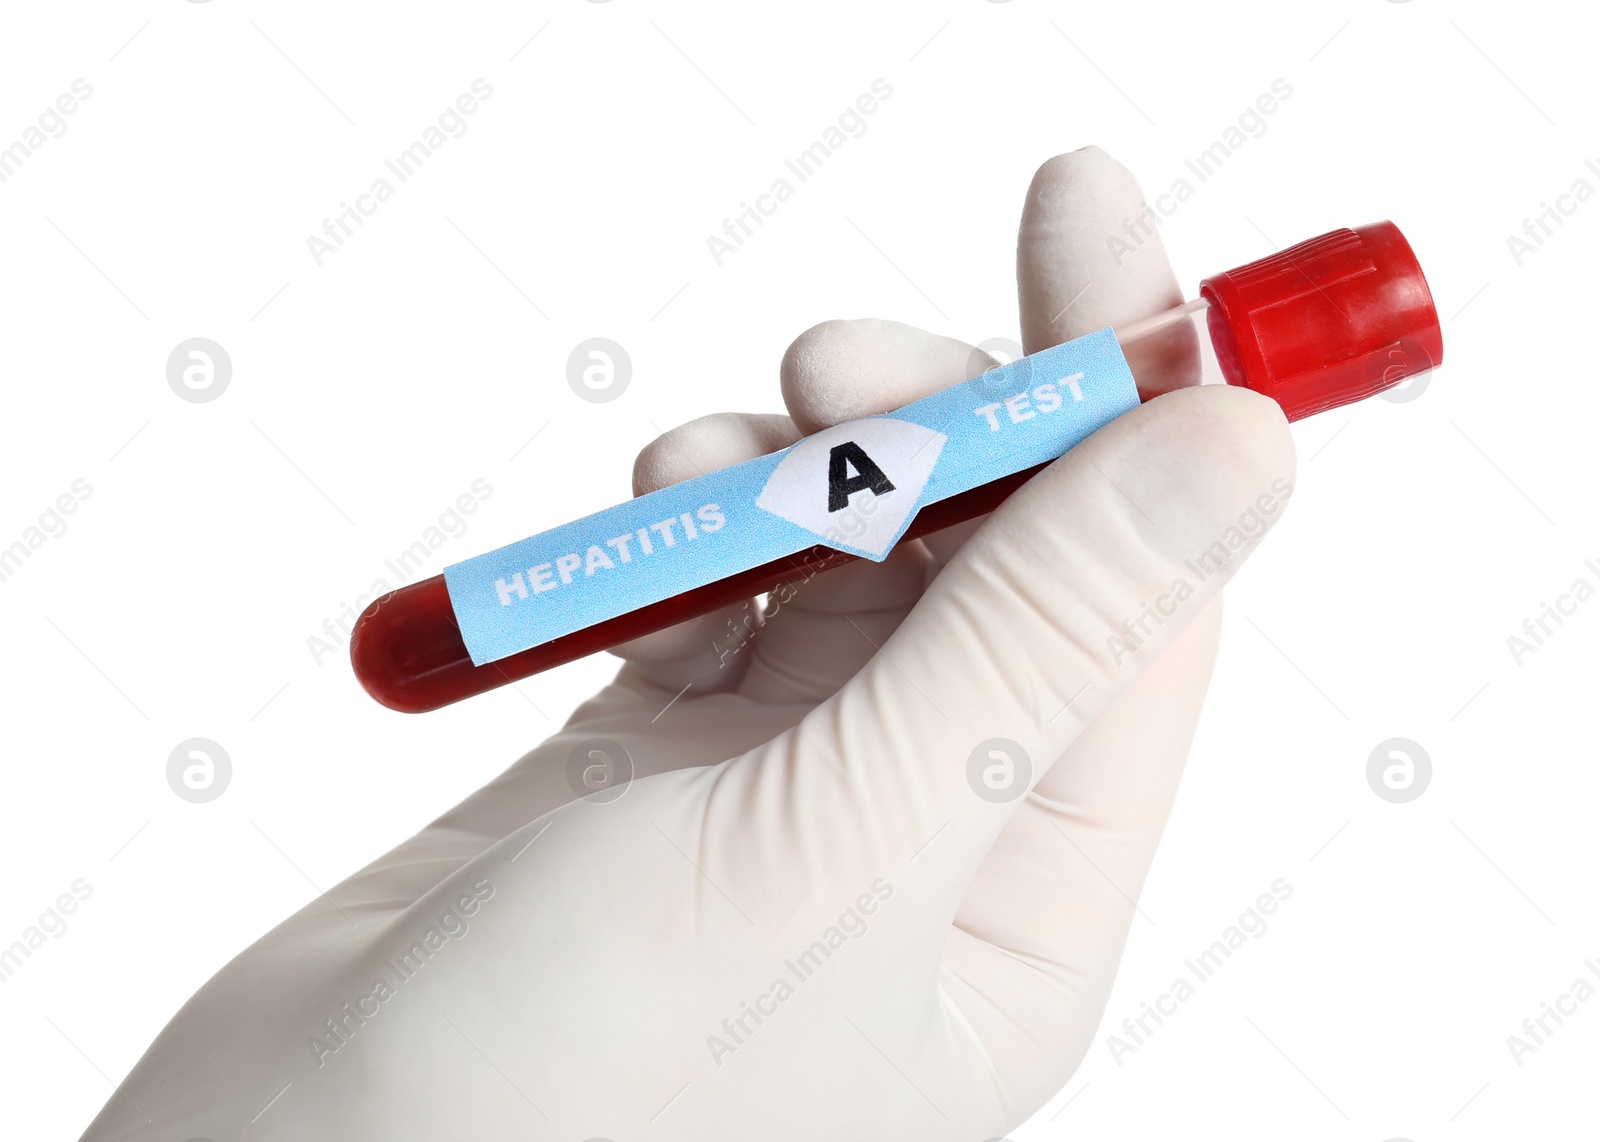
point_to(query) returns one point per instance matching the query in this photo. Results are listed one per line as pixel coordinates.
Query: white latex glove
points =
(801, 839)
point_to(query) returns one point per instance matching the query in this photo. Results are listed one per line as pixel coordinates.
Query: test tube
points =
(1332, 320)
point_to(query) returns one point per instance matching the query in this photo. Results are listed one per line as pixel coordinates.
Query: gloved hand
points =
(827, 905)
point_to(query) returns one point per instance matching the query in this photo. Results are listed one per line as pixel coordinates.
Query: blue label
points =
(855, 487)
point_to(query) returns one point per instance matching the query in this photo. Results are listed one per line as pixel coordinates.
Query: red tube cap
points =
(1332, 320)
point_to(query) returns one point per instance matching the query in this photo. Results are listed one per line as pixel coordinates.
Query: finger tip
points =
(848, 368)
(706, 444)
(1253, 424)
(823, 352)
(1090, 165)
(1235, 440)
(1079, 184)
(1075, 271)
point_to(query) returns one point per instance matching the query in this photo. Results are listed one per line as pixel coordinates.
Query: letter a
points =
(869, 477)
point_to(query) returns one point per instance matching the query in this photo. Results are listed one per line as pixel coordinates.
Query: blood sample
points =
(1333, 320)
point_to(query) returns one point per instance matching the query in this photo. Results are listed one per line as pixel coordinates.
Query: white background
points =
(369, 392)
